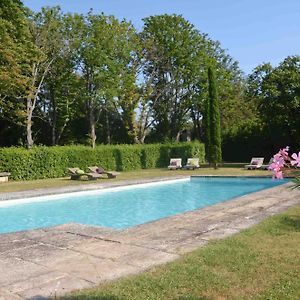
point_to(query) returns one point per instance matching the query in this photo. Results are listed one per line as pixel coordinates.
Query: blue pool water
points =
(128, 207)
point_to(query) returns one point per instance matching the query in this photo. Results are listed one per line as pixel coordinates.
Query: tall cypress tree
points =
(206, 121)
(213, 124)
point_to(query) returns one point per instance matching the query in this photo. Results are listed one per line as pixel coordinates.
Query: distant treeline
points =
(93, 79)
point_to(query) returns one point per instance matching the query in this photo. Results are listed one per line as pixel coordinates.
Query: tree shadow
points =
(118, 159)
(143, 159)
(192, 298)
(91, 297)
(164, 157)
(291, 221)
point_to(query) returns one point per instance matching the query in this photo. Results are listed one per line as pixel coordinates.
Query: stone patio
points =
(44, 263)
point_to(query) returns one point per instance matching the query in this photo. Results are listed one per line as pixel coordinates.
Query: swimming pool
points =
(127, 206)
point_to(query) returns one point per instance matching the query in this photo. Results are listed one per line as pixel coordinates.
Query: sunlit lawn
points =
(258, 263)
(139, 174)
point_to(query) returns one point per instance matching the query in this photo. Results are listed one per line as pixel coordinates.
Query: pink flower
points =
(278, 162)
(282, 159)
(296, 160)
(277, 174)
(284, 152)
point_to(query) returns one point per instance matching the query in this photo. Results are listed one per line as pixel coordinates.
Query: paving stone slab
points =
(54, 288)
(39, 253)
(61, 239)
(129, 254)
(188, 245)
(13, 244)
(91, 268)
(14, 270)
(35, 282)
(5, 295)
(87, 231)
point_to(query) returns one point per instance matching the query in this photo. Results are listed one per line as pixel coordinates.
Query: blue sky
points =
(253, 31)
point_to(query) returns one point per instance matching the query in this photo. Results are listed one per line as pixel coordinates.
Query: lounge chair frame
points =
(256, 163)
(266, 167)
(100, 170)
(175, 164)
(192, 164)
(75, 176)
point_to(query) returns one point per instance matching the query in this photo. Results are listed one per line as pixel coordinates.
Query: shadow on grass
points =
(111, 297)
(192, 298)
(93, 297)
(291, 221)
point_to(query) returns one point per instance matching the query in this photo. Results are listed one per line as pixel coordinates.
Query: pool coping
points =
(6, 196)
(52, 261)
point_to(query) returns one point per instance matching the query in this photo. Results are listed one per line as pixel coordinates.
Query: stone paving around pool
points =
(44, 263)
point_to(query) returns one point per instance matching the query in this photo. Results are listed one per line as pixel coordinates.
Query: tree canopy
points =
(71, 78)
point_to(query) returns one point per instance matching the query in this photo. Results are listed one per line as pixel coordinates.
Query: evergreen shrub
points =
(52, 162)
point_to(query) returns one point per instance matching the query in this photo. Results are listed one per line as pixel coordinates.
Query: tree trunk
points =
(142, 139)
(53, 135)
(107, 128)
(29, 123)
(141, 135)
(93, 128)
(54, 117)
(130, 124)
(178, 136)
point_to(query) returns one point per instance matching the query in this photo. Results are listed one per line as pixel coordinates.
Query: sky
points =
(252, 31)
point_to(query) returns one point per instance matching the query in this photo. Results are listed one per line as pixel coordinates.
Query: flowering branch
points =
(282, 160)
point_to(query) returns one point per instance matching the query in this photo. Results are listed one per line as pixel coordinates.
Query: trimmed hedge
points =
(51, 162)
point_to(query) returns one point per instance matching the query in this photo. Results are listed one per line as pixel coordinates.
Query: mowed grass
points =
(14, 186)
(259, 263)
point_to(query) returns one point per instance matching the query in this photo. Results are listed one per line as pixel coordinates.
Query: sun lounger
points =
(256, 163)
(266, 167)
(4, 176)
(192, 164)
(76, 174)
(175, 163)
(101, 171)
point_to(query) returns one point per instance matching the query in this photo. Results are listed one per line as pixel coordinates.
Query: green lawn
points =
(259, 263)
(13, 186)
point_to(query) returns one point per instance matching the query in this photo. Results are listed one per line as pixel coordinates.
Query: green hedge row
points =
(51, 162)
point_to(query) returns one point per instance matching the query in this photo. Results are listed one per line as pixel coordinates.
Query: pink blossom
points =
(281, 160)
(278, 162)
(284, 152)
(296, 160)
(277, 174)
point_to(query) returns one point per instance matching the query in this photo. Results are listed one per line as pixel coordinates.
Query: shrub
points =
(51, 162)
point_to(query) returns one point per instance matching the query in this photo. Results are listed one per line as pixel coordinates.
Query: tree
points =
(105, 68)
(127, 66)
(16, 52)
(277, 94)
(59, 97)
(213, 126)
(47, 36)
(15, 48)
(172, 62)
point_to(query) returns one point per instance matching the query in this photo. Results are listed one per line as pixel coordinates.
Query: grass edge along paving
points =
(258, 263)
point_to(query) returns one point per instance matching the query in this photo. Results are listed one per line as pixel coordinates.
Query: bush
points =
(51, 162)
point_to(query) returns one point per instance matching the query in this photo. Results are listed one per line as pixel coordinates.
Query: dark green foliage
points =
(273, 99)
(246, 141)
(277, 91)
(174, 54)
(213, 125)
(207, 130)
(52, 162)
